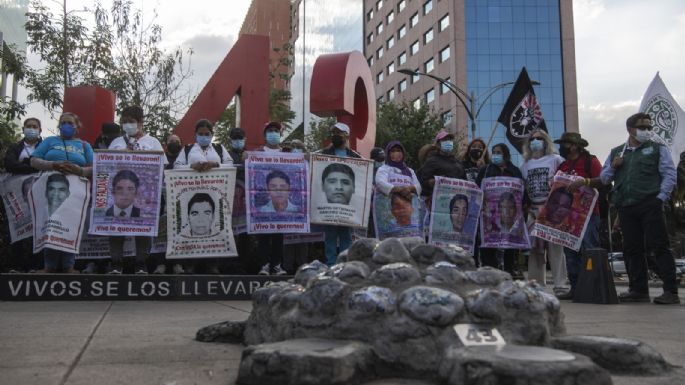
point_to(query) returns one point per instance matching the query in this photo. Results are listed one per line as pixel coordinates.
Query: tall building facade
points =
(480, 46)
(12, 36)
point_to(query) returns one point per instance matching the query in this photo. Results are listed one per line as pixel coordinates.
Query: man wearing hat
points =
(581, 163)
(644, 176)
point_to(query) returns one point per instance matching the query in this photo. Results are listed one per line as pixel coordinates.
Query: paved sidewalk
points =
(153, 342)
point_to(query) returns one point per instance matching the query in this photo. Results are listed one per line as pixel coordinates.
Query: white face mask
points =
(642, 135)
(131, 129)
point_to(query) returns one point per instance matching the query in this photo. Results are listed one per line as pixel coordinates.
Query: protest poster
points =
(239, 212)
(502, 224)
(127, 189)
(455, 211)
(564, 217)
(58, 210)
(340, 190)
(158, 245)
(97, 247)
(277, 193)
(294, 239)
(15, 196)
(394, 215)
(199, 213)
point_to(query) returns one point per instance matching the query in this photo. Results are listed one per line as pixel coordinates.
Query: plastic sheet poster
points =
(340, 190)
(277, 193)
(455, 212)
(502, 224)
(564, 217)
(15, 196)
(127, 188)
(394, 215)
(199, 213)
(59, 209)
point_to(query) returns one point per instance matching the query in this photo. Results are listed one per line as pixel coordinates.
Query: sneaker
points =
(558, 290)
(667, 298)
(631, 296)
(141, 271)
(160, 269)
(565, 296)
(90, 268)
(115, 270)
(264, 270)
(14, 271)
(278, 270)
(178, 269)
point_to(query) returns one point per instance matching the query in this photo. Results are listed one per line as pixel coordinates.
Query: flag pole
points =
(492, 135)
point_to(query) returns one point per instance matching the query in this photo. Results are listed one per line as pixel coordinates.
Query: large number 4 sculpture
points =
(342, 86)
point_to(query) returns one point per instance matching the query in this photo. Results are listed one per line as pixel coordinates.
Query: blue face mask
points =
(66, 130)
(297, 150)
(238, 144)
(447, 145)
(497, 159)
(31, 133)
(203, 140)
(536, 145)
(273, 138)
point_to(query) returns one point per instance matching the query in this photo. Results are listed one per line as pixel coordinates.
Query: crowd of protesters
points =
(642, 172)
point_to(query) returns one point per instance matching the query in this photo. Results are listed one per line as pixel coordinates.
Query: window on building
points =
(390, 17)
(391, 68)
(402, 58)
(415, 78)
(414, 20)
(370, 61)
(416, 103)
(428, 36)
(429, 65)
(379, 28)
(427, 7)
(379, 77)
(444, 54)
(443, 87)
(414, 48)
(444, 23)
(369, 38)
(379, 4)
(402, 85)
(369, 15)
(430, 96)
(401, 5)
(379, 53)
(379, 99)
(402, 31)
(446, 117)
(391, 42)
(391, 94)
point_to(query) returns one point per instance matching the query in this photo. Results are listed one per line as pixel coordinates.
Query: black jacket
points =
(330, 150)
(12, 163)
(439, 164)
(490, 171)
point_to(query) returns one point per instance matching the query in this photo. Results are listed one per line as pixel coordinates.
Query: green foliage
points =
(121, 53)
(412, 127)
(319, 132)
(224, 125)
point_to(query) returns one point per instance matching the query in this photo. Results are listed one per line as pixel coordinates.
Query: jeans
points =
(52, 259)
(333, 234)
(574, 260)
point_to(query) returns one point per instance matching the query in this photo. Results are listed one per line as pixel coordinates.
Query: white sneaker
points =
(264, 270)
(90, 268)
(278, 270)
(160, 269)
(178, 269)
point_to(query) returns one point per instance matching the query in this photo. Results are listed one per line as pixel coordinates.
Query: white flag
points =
(668, 119)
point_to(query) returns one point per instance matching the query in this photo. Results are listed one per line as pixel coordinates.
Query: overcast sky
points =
(620, 45)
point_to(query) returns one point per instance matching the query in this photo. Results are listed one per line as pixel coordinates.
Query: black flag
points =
(521, 113)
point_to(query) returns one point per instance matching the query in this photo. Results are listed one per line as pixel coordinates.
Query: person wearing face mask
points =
(110, 131)
(203, 155)
(578, 161)
(173, 149)
(475, 157)
(500, 165)
(540, 165)
(18, 162)
(68, 155)
(440, 161)
(644, 176)
(135, 139)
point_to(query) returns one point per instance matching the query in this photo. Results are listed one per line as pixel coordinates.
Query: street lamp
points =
(472, 109)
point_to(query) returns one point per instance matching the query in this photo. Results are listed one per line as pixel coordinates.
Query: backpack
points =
(217, 148)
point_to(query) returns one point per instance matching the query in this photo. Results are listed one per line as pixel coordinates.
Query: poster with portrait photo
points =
(58, 210)
(502, 225)
(277, 193)
(127, 188)
(15, 196)
(564, 217)
(341, 190)
(455, 211)
(395, 216)
(199, 206)
(239, 208)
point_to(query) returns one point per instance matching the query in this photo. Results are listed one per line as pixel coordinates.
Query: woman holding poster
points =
(68, 155)
(396, 211)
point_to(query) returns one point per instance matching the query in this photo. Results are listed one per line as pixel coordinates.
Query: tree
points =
(120, 53)
(319, 132)
(413, 127)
